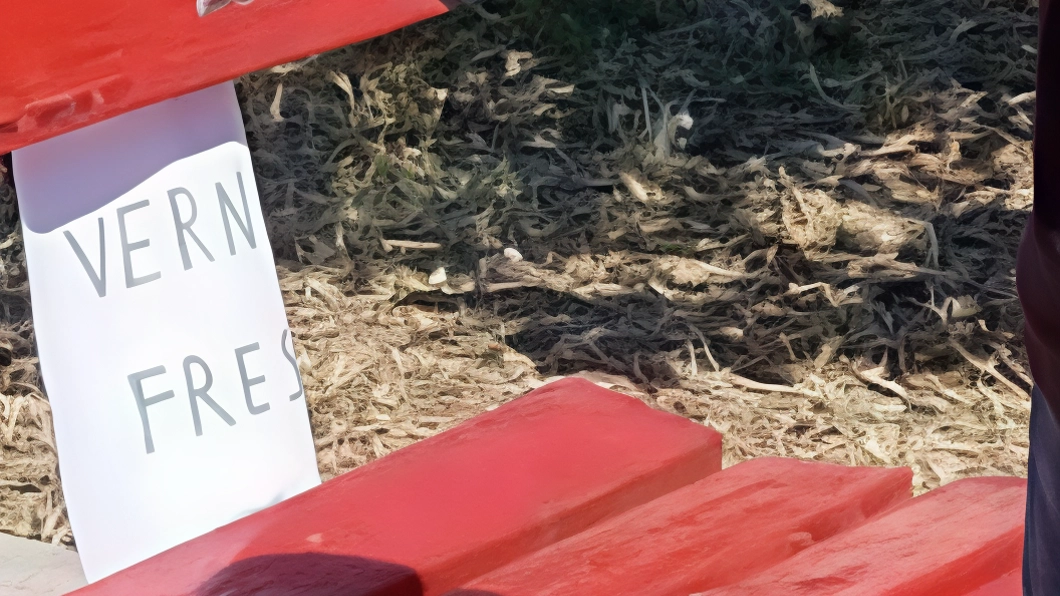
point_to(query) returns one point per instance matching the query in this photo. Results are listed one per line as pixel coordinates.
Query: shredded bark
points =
(795, 222)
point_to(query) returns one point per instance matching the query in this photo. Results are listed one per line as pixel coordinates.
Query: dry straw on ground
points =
(793, 222)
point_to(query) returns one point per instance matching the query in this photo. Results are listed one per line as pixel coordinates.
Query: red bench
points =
(718, 531)
(950, 541)
(576, 490)
(1010, 584)
(70, 64)
(426, 518)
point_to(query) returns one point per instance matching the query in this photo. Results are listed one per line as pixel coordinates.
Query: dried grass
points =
(796, 223)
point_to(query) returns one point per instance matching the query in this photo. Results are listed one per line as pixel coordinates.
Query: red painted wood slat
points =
(717, 531)
(945, 543)
(66, 65)
(426, 518)
(1010, 584)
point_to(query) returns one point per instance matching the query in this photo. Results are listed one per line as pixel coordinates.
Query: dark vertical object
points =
(1038, 282)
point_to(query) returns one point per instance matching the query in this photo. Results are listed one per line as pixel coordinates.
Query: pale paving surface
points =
(33, 568)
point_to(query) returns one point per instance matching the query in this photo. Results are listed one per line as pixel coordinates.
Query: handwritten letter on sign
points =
(163, 341)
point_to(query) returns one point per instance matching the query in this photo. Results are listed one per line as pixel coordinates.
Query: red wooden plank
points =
(1010, 584)
(430, 516)
(717, 531)
(947, 542)
(69, 64)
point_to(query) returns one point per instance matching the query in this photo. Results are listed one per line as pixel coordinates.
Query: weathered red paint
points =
(715, 532)
(946, 543)
(1010, 584)
(66, 65)
(435, 514)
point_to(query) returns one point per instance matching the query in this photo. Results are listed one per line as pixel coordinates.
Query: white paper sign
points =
(162, 335)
